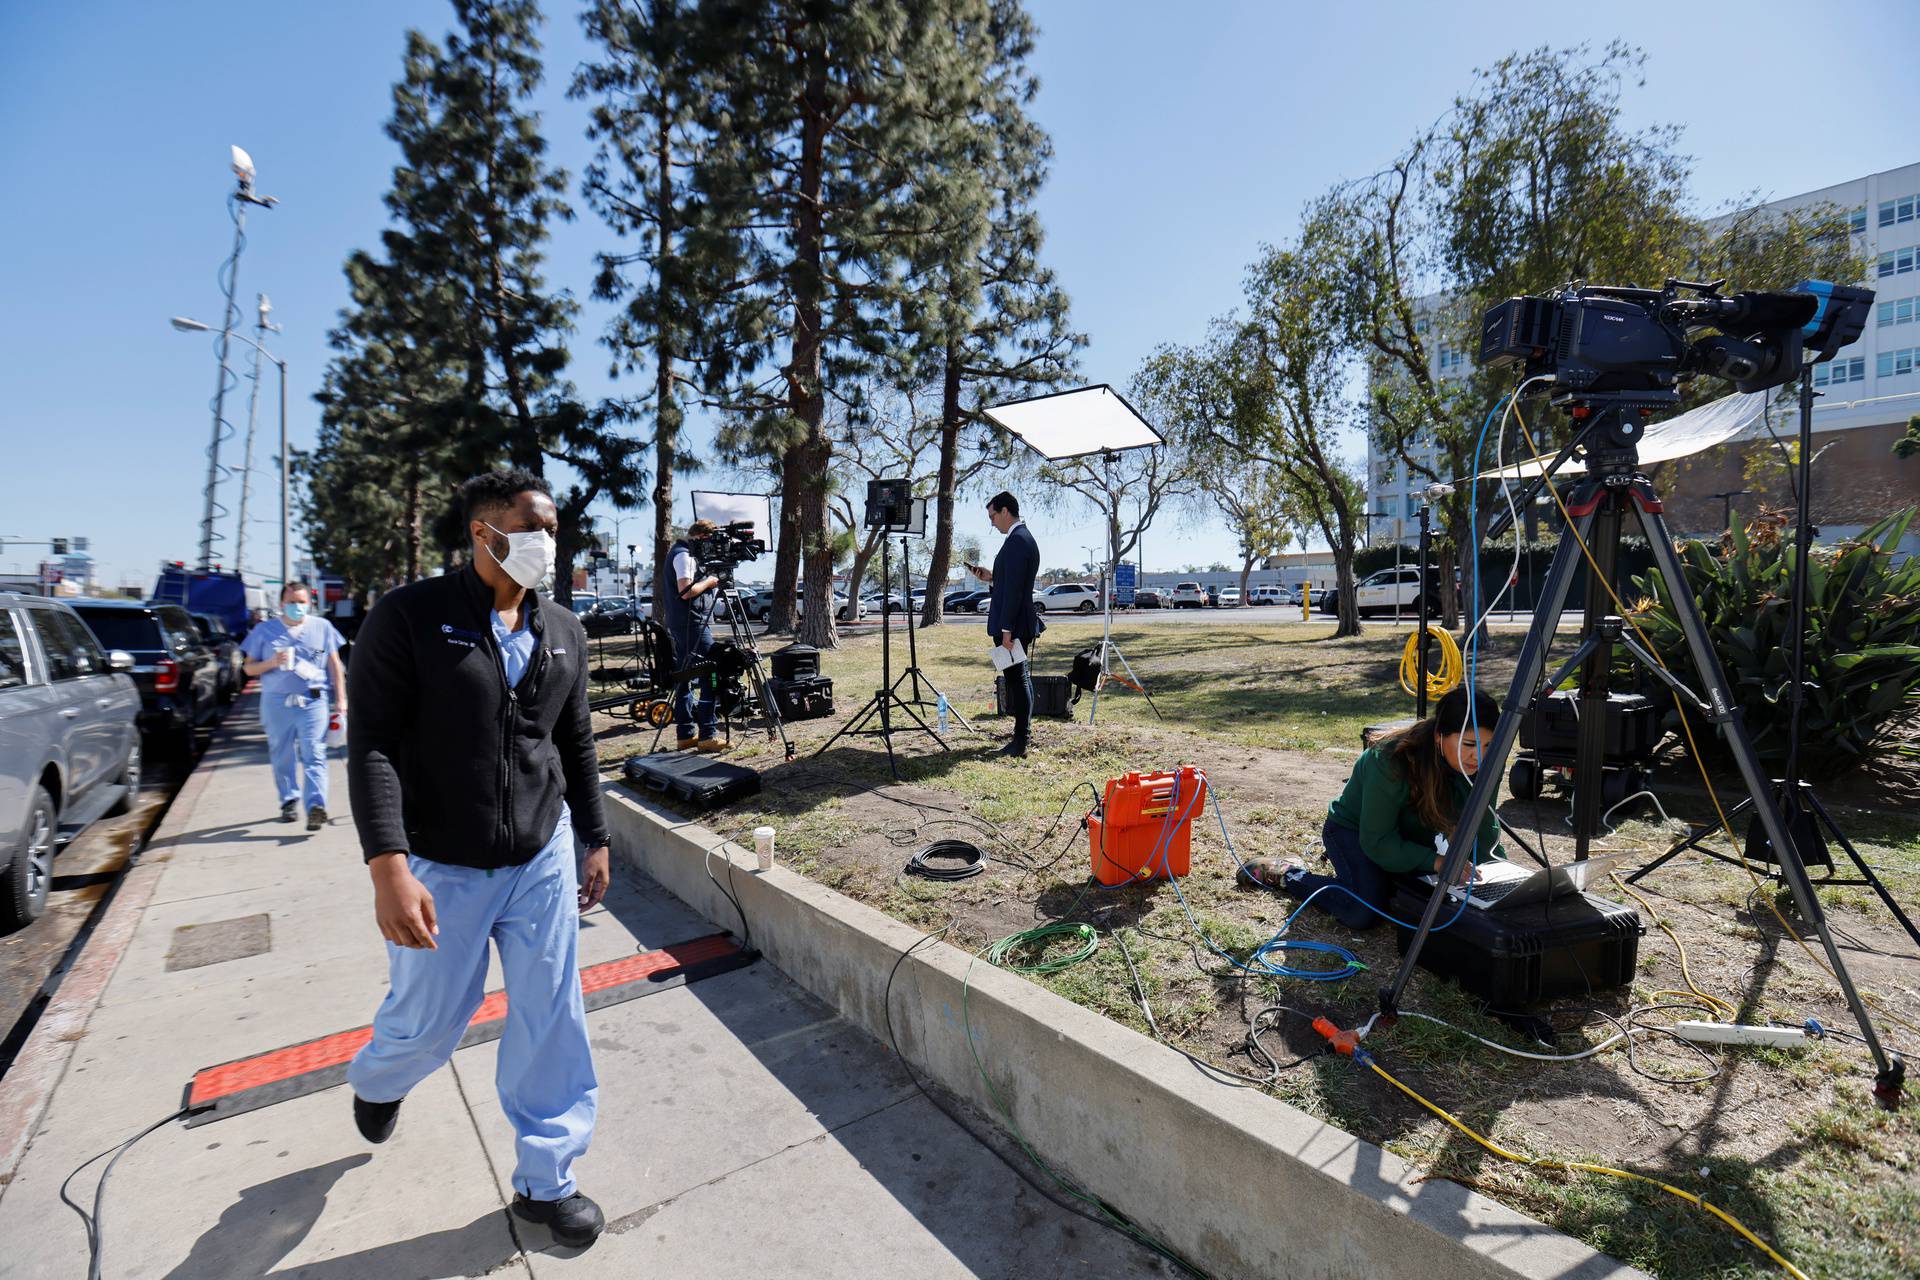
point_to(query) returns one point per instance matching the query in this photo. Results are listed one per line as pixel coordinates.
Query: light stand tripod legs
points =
(1891, 1071)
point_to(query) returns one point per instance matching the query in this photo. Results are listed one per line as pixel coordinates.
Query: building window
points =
(1897, 262)
(1896, 311)
(1852, 369)
(1451, 359)
(1896, 211)
(1857, 220)
(1892, 364)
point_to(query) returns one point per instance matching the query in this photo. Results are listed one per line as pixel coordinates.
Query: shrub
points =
(1862, 646)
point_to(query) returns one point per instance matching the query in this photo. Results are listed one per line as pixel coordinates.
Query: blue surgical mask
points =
(293, 611)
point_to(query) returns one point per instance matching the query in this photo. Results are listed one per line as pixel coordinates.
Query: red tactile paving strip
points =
(250, 1083)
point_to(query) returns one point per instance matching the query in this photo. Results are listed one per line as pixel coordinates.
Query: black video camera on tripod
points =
(1613, 354)
(731, 546)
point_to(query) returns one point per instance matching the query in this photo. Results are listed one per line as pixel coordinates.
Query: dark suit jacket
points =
(1011, 605)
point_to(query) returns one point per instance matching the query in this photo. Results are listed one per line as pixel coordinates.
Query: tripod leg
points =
(1692, 842)
(1727, 715)
(1591, 749)
(1866, 872)
(1137, 681)
(1526, 674)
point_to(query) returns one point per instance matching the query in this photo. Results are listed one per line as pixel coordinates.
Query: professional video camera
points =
(1638, 345)
(731, 546)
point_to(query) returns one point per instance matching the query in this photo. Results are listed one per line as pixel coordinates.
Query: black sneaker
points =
(375, 1120)
(1018, 750)
(290, 811)
(575, 1221)
(316, 818)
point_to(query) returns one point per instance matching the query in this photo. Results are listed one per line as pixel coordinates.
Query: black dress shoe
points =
(290, 811)
(574, 1221)
(316, 818)
(1018, 750)
(375, 1120)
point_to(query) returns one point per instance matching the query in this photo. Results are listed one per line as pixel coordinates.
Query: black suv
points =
(227, 649)
(178, 674)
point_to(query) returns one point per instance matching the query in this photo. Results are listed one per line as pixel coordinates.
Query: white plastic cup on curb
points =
(763, 846)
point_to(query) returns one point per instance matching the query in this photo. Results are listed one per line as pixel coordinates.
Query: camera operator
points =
(686, 606)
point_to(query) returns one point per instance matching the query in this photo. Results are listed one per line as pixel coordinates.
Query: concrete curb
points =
(1238, 1182)
(36, 1072)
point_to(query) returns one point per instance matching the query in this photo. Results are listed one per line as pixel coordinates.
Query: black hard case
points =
(1567, 946)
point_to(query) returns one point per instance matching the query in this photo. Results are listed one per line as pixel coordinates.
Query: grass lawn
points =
(1787, 1142)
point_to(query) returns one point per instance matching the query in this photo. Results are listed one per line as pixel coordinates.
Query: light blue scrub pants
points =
(297, 745)
(544, 1073)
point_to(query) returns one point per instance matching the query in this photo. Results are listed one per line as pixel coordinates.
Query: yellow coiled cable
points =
(1442, 679)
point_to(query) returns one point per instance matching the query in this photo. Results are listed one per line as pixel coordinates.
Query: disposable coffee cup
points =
(763, 846)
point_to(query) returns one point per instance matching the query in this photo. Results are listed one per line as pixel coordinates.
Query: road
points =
(1265, 614)
(33, 958)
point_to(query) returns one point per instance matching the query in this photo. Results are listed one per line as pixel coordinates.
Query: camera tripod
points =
(1598, 508)
(740, 633)
(887, 697)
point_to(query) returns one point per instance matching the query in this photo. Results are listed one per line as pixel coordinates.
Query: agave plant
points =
(1862, 644)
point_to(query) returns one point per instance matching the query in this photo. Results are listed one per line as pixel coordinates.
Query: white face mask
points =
(530, 556)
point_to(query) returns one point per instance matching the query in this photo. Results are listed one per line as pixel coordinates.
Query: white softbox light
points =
(1075, 424)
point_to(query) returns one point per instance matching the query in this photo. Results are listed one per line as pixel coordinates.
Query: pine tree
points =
(1004, 327)
(458, 284)
(845, 151)
(654, 89)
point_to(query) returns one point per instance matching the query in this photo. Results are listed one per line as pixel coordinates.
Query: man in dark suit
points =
(1010, 614)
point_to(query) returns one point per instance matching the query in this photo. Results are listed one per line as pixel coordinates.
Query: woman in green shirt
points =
(1402, 792)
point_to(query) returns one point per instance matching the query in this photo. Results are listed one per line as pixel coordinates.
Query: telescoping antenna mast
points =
(237, 201)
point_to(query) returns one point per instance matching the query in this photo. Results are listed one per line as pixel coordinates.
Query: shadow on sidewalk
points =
(271, 1218)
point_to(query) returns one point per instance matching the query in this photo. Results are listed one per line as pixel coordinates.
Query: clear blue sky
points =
(1185, 136)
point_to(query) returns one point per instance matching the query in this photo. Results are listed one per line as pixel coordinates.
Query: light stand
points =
(913, 671)
(881, 705)
(1794, 801)
(1598, 507)
(1108, 649)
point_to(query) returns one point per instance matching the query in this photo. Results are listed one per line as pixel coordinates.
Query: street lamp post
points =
(185, 325)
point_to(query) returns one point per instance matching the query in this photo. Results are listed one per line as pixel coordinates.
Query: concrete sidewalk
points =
(744, 1128)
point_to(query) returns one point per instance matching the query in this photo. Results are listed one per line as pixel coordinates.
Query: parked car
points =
(177, 674)
(1267, 595)
(213, 630)
(1188, 595)
(69, 742)
(1389, 589)
(963, 601)
(1213, 596)
(1229, 598)
(1068, 597)
(1149, 598)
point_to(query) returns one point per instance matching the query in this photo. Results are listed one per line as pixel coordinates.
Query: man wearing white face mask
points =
(296, 657)
(472, 766)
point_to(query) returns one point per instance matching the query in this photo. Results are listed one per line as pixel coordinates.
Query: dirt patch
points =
(1785, 1140)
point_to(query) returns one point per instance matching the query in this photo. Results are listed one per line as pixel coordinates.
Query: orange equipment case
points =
(1143, 829)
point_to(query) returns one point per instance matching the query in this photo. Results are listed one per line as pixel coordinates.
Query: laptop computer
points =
(1499, 884)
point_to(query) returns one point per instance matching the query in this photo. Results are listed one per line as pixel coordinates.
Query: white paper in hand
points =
(1004, 657)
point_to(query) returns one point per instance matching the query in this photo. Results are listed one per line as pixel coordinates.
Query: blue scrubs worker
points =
(296, 657)
(472, 762)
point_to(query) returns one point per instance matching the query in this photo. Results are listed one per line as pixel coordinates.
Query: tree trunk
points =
(1246, 571)
(666, 409)
(786, 549)
(1348, 613)
(939, 564)
(856, 575)
(815, 452)
(414, 573)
